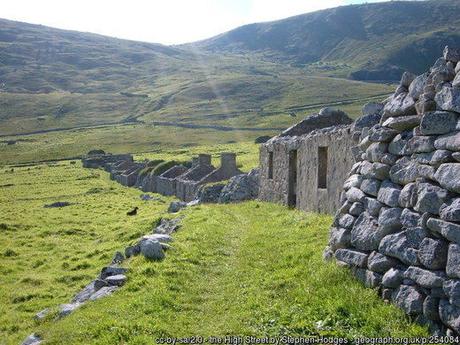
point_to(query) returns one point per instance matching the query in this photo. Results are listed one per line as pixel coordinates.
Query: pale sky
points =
(159, 21)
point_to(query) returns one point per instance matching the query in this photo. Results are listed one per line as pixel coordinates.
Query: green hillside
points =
(370, 41)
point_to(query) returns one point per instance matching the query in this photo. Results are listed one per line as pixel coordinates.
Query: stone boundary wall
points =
(398, 227)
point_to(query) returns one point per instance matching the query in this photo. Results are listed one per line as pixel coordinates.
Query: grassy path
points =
(248, 269)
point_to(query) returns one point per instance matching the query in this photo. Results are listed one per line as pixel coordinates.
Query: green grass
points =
(250, 268)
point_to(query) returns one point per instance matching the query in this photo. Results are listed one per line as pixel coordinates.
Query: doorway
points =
(292, 179)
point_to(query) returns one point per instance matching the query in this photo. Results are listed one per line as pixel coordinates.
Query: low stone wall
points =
(398, 228)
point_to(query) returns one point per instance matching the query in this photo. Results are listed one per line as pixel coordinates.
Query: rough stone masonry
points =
(398, 228)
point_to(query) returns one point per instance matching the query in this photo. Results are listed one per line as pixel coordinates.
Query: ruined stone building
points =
(305, 166)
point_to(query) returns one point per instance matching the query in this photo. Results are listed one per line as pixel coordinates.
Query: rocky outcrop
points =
(402, 234)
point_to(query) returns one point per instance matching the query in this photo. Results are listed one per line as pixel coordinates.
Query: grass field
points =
(251, 268)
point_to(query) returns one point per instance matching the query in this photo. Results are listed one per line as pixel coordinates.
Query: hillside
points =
(370, 41)
(258, 77)
(57, 79)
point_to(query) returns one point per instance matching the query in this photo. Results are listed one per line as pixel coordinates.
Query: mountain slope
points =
(373, 39)
(54, 79)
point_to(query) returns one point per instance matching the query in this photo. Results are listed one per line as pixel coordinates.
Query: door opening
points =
(292, 188)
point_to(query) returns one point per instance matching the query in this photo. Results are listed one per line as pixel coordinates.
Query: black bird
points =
(133, 212)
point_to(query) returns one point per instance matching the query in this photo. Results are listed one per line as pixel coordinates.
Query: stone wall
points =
(398, 228)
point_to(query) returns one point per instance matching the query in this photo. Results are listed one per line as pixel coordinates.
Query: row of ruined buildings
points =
(182, 180)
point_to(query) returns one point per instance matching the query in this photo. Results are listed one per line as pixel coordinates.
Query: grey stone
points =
(456, 81)
(368, 278)
(426, 171)
(85, 293)
(398, 146)
(381, 134)
(393, 278)
(375, 151)
(118, 258)
(449, 230)
(372, 108)
(403, 245)
(103, 292)
(152, 250)
(440, 156)
(162, 238)
(419, 144)
(355, 195)
(373, 206)
(431, 308)
(438, 122)
(168, 226)
(433, 253)
(380, 263)
(379, 171)
(402, 123)
(425, 278)
(449, 141)
(389, 193)
(339, 238)
(456, 156)
(451, 54)
(448, 176)
(210, 193)
(404, 171)
(67, 309)
(351, 257)
(356, 209)
(346, 221)
(451, 210)
(98, 284)
(111, 271)
(448, 99)
(409, 219)
(430, 198)
(389, 159)
(366, 234)
(453, 261)
(417, 86)
(406, 79)
(132, 250)
(451, 288)
(450, 315)
(408, 195)
(364, 143)
(32, 339)
(354, 180)
(176, 206)
(390, 220)
(117, 280)
(422, 158)
(370, 186)
(399, 105)
(409, 299)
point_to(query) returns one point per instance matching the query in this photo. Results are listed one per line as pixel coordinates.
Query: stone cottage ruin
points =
(398, 226)
(305, 166)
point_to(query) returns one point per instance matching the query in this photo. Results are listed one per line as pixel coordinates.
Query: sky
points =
(159, 21)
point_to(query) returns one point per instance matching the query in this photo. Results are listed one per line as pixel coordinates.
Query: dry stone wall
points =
(398, 228)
